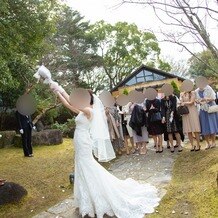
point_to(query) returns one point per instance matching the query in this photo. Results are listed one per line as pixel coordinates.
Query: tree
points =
(199, 68)
(193, 21)
(175, 88)
(123, 47)
(74, 49)
(24, 25)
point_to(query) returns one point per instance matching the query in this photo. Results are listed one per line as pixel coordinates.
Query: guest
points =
(114, 123)
(155, 127)
(139, 126)
(191, 123)
(205, 97)
(182, 137)
(171, 120)
(25, 127)
(127, 116)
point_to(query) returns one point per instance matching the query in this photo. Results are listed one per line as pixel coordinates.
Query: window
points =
(141, 74)
(147, 73)
(140, 79)
(158, 77)
(149, 78)
(144, 76)
(131, 82)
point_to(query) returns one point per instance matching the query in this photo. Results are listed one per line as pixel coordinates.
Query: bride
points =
(96, 191)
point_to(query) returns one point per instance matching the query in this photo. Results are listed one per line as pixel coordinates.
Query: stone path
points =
(151, 168)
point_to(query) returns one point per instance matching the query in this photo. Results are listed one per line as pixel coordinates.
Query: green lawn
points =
(193, 191)
(41, 175)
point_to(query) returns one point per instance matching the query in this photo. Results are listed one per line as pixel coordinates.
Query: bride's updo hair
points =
(92, 97)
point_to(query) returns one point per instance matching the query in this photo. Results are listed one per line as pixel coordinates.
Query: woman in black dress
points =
(171, 120)
(155, 127)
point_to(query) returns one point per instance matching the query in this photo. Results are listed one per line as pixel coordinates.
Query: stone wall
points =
(45, 137)
(7, 138)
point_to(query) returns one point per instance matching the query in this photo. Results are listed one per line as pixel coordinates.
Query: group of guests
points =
(159, 118)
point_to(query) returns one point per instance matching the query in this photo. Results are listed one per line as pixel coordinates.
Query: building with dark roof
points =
(145, 77)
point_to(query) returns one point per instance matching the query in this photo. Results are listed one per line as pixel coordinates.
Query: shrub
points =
(67, 128)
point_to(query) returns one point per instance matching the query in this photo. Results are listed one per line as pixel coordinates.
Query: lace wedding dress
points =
(97, 192)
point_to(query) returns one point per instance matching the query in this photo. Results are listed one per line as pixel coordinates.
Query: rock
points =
(173, 212)
(7, 138)
(45, 137)
(186, 213)
(39, 126)
(11, 193)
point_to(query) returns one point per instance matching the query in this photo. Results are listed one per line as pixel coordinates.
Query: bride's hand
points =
(55, 87)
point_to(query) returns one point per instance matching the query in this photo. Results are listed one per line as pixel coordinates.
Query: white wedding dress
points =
(97, 192)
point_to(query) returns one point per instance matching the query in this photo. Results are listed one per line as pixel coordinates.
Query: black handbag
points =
(155, 117)
(181, 110)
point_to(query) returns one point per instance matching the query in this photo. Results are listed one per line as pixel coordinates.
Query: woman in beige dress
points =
(190, 121)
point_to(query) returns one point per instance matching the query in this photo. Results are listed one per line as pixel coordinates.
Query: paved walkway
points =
(152, 168)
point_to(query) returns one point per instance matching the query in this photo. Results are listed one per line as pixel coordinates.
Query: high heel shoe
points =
(199, 148)
(172, 150)
(208, 147)
(160, 148)
(193, 149)
(213, 146)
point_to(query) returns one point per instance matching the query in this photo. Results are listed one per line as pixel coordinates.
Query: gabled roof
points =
(143, 67)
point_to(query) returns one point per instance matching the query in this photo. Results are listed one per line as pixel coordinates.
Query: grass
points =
(41, 175)
(193, 191)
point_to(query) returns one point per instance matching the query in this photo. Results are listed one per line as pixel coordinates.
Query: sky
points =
(143, 17)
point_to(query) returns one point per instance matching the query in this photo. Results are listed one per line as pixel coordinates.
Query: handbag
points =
(213, 109)
(155, 117)
(181, 110)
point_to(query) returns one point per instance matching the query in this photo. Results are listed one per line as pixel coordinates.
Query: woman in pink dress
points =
(191, 123)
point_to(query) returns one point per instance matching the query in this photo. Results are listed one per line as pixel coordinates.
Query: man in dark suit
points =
(25, 127)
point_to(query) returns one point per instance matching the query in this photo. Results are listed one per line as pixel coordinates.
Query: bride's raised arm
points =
(67, 104)
(62, 98)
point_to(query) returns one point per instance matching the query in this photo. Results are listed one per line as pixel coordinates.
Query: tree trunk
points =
(39, 116)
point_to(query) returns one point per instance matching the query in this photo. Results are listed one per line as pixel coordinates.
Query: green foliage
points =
(74, 48)
(125, 92)
(24, 25)
(164, 66)
(24, 29)
(67, 128)
(175, 88)
(204, 65)
(123, 47)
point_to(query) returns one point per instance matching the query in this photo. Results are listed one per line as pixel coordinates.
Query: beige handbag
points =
(213, 109)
